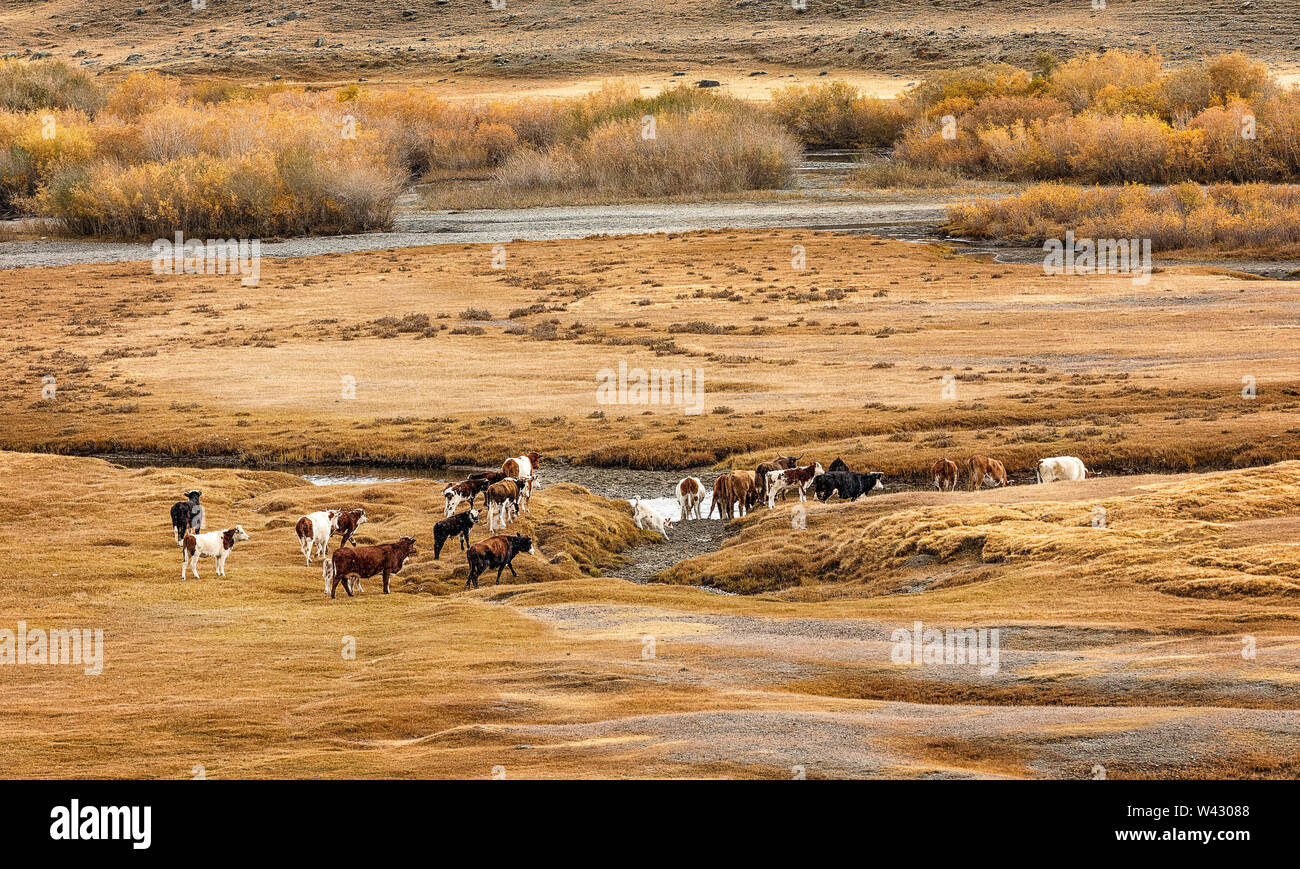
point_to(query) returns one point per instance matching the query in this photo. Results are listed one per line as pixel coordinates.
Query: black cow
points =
(849, 484)
(497, 551)
(187, 515)
(838, 465)
(457, 526)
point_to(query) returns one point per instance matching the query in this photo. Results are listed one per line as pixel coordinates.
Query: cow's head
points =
(194, 495)
(535, 458)
(520, 543)
(360, 516)
(875, 481)
(231, 536)
(817, 469)
(788, 462)
(473, 516)
(408, 543)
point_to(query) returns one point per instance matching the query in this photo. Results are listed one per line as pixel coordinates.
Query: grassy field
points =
(564, 674)
(887, 353)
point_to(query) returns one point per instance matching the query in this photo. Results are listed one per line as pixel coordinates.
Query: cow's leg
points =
(385, 580)
(499, 571)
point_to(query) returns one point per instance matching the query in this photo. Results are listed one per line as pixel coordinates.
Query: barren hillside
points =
(440, 39)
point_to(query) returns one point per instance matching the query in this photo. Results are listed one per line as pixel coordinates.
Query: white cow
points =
(644, 517)
(690, 495)
(213, 544)
(1060, 468)
(314, 531)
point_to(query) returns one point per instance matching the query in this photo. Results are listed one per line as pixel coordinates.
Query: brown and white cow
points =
(314, 532)
(987, 472)
(690, 493)
(944, 475)
(365, 562)
(797, 478)
(214, 544)
(781, 463)
(503, 500)
(523, 468)
(347, 525)
(469, 489)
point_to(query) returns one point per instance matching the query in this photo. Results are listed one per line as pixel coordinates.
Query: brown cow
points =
(782, 463)
(734, 494)
(722, 497)
(944, 474)
(497, 551)
(365, 562)
(986, 471)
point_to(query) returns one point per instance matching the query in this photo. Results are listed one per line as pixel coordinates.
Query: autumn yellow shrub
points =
(836, 114)
(1258, 218)
(141, 93)
(971, 82)
(1080, 79)
(705, 151)
(47, 84)
(32, 145)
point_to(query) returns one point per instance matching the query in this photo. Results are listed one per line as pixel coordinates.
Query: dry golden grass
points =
(1151, 533)
(848, 356)
(245, 676)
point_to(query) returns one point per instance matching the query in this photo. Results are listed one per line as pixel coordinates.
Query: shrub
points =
(836, 115)
(1220, 217)
(1078, 80)
(47, 84)
(705, 151)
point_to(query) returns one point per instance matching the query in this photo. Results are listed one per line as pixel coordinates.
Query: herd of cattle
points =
(506, 494)
(736, 493)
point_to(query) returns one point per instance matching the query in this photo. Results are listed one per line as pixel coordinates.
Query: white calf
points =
(1060, 468)
(690, 494)
(213, 544)
(314, 532)
(644, 517)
